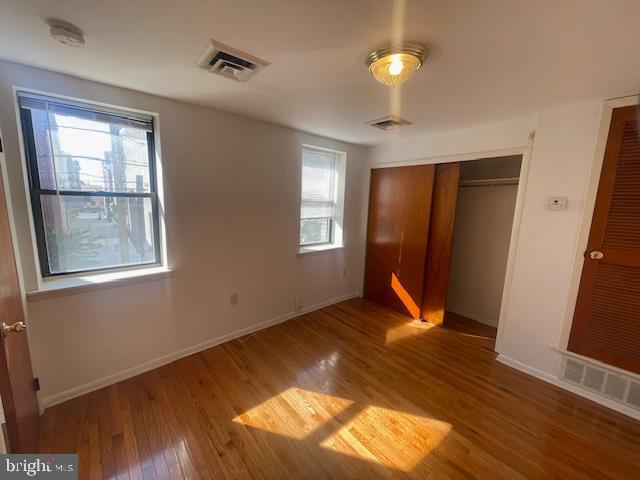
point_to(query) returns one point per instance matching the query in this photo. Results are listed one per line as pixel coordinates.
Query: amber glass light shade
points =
(392, 66)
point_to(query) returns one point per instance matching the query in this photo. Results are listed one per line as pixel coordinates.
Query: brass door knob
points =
(596, 255)
(16, 327)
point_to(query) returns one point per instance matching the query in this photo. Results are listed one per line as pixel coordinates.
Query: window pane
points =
(93, 232)
(319, 190)
(317, 209)
(318, 176)
(90, 152)
(315, 230)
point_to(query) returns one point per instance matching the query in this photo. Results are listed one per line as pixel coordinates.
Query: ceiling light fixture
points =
(395, 64)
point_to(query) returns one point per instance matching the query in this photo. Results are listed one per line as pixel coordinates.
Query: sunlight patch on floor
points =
(387, 437)
(295, 413)
(406, 330)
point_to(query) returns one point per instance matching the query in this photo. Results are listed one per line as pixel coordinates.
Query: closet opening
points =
(438, 240)
(483, 225)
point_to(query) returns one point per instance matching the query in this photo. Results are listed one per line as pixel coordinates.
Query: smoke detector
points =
(229, 62)
(66, 33)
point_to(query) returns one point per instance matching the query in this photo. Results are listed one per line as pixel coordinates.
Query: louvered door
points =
(606, 324)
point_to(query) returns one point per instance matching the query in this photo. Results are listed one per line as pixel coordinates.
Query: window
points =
(92, 184)
(322, 193)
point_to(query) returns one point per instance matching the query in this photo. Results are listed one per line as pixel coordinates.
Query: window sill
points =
(319, 248)
(70, 286)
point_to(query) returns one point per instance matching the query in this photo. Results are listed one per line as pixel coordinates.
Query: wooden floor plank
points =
(350, 391)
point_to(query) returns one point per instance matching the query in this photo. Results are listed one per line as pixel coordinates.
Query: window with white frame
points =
(92, 184)
(322, 197)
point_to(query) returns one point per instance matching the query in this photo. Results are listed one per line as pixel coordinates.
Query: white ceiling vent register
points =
(223, 60)
(389, 122)
(610, 383)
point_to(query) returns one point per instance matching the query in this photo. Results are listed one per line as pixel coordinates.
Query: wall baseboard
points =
(547, 377)
(57, 398)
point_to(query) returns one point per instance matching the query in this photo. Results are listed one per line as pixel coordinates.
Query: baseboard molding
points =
(185, 352)
(547, 377)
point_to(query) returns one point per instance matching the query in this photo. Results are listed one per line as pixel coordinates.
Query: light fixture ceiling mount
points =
(394, 64)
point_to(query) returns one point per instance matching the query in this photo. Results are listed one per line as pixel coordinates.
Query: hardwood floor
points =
(468, 326)
(349, 391)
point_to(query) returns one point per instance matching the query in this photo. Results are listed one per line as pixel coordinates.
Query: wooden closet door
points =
(397, 235)
(438, 264)
(606, 324)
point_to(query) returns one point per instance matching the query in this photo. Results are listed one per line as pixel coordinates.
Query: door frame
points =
(16, 252)
(525, 152)
(586, 216)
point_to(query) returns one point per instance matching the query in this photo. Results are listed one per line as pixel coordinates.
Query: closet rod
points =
(489, 182)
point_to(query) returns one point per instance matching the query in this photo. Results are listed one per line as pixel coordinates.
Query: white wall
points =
(484, 217)
(560, 164)
(232, 189)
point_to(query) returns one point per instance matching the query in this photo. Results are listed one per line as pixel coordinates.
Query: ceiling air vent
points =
(389, 122)
(228, 62)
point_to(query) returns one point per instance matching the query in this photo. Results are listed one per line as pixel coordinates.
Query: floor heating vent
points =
(593, 379)
(633, 398)
(573, 371)
(615, 387)
(610, 383)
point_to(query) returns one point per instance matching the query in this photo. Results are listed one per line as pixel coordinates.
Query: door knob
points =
(596, 255)
(16, 327)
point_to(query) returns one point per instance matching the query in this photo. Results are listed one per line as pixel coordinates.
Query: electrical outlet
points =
(298, 304)
(233, 299)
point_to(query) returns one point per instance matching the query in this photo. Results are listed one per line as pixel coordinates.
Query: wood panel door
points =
(16, 377)
(438, 264)
(397, 236)
(606, 324)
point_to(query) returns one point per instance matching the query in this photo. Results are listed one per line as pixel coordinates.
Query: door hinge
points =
(36, 384)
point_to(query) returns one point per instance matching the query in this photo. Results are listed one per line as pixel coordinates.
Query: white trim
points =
(319, 248)
(513, 247)
(604, 401)
(463, 157)
(586, 215)
(171, 357)
(525, 152)
(86, 283)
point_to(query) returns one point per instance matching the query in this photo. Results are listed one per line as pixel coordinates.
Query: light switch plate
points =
(557, 203)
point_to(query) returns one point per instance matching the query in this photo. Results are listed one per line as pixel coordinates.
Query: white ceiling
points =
(490, 59)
